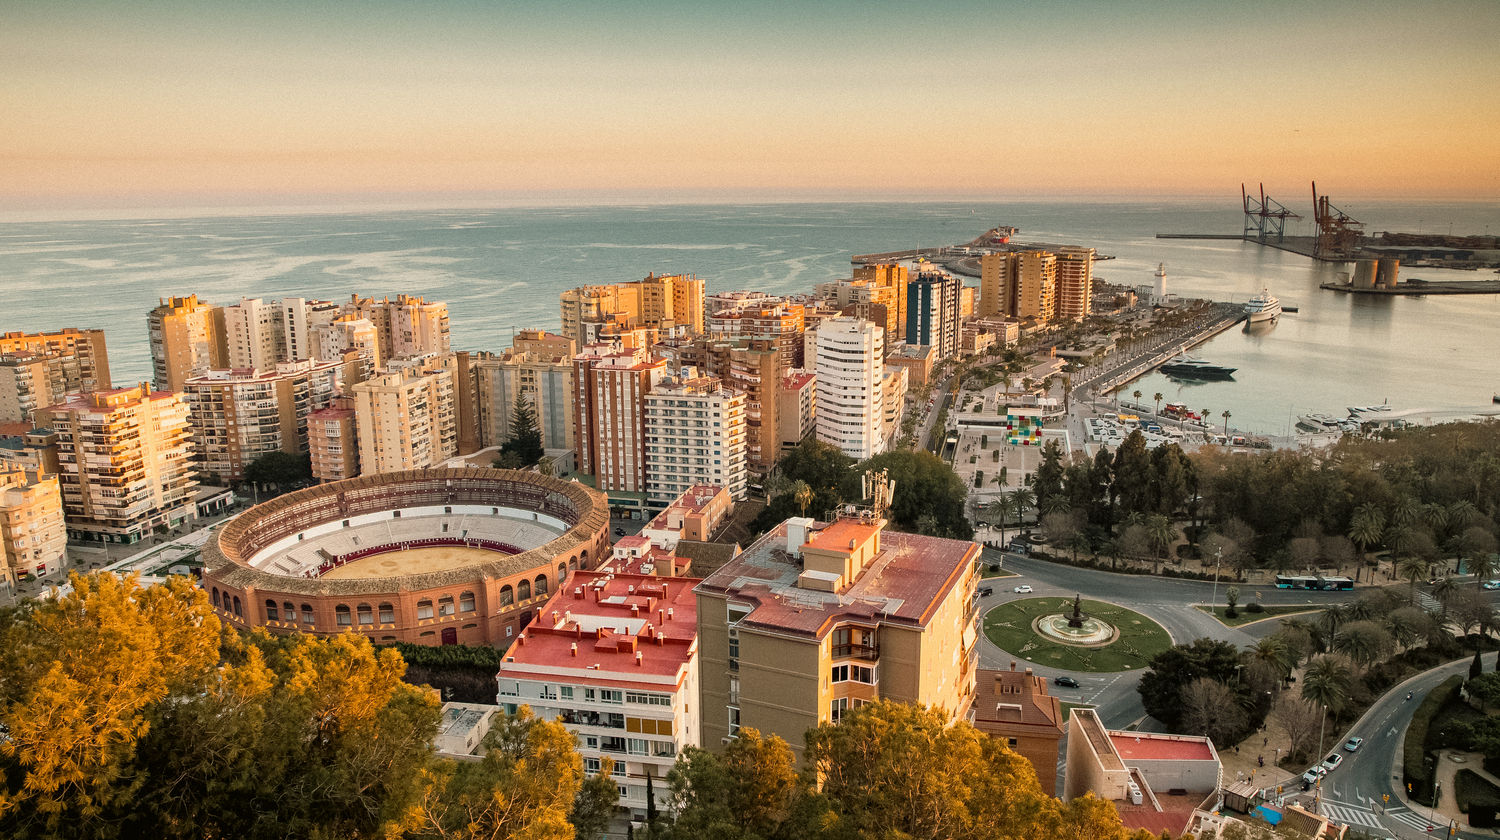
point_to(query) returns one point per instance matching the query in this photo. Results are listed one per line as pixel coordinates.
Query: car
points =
(1023, 588)
(1353, 744)
(1491, 584)
(1067, 682)
(619, 532)
(1313, 774)
(1333, 761)
(986, 591)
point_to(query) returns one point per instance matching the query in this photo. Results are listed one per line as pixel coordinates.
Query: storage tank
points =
(1390, 267)
(1364, 274)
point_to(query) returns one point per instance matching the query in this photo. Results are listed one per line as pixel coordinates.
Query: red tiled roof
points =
(1143, 746)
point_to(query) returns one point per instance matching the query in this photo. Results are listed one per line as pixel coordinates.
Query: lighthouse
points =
(1159, 292)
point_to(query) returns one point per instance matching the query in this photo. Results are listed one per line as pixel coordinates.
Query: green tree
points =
(1160, 534)
(802, 493)
(1231, 598)
(1413, 568)
(1048, 483)
(1172, 669)
(1328, 682)
(525, 437)
(596, 800)
(1158, 398)
(281, 470)
(1226, 415)
(925, 487)
(1364, 642)
(748, 792)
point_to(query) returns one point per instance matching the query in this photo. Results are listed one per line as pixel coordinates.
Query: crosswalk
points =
(1420, 822)
(1351, 816)
(1427, 602)
(1362, 817)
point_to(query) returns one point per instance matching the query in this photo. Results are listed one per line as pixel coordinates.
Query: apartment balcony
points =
(870, 653)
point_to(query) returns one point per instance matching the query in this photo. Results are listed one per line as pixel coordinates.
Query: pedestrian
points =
(1261, 760)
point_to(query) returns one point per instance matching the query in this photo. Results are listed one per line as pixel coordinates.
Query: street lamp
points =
(1214, 598)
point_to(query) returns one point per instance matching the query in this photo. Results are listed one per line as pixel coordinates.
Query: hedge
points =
(1166, 570)
(448, 656)
(1472, 789)
(1418, 775)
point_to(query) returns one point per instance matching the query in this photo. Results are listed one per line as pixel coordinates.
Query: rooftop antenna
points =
(879, 489)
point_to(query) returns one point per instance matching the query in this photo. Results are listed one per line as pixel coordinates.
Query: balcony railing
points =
(852, 651)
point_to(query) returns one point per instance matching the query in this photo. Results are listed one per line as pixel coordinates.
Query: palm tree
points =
(1021, 500)
(1483, 565)
(1444, 590)
(1226, 416)
(1365, 648)
(1160, 533)
(1137, 395)
(802, 494)
(1326, 682)
(1366, 526)
(1157, 396)
(997, 510)
(1413, 569)
(1328, 622)
(1274, 654)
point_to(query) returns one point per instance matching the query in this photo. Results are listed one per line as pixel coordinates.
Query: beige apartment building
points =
(1075, 283)
(591, 314)
(125, 461)
(407, 418)
(254, 334)
(695, 435)
(815, 619)
(408, 326)
(33, 537)
(797, 415)
(28, 382)
(538, 366)
(239, 415)
(348, 334)
(85, 346)
(894, 277)
(610, 384)
(333, 441)
(187, 338)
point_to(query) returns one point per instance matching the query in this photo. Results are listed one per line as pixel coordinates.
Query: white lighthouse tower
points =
(1159, 292)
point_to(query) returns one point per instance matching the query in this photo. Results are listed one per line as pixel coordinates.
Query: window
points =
(424, 609)
(562, 573)
(541, 584)
(366, 616)
(590, 694)
(289, 611)
(216, 596)
(507, 596)
(591, 741)
(734, 689)
(636, 746)
(648, 699)
(238, 611)
(853, 673)
(445, 605)
(734, 649)
(307, 614)
(624, 791)
(510, 688)
(591, 765)
(548, 693)
(611, 695)
(466, 602)
(342, 614)
(1010, 742)
(612, 743)
(387, 614)
(271, 611)
(734, 721)
(566, 692)
(837, 709)
(523, 590)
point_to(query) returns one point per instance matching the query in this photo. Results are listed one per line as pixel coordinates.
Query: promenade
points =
(1138, 358)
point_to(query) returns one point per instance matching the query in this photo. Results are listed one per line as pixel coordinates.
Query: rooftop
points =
(1015, 698)
(611, 627)
(797, 381)
(903, 583)
(1145, 746)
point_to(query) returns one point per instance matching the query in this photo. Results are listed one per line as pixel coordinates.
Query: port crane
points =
(1265, 218)
(1339, 235)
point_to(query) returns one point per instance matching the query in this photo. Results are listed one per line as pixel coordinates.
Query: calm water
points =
(502, 269)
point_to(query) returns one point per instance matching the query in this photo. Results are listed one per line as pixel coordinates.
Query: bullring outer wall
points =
(501, 589)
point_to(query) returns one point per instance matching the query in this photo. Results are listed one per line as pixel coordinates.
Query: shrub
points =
(1472, 789)
(1418, 775)
(1254, 607)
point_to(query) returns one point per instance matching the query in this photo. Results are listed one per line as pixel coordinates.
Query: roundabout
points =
(1076, 634)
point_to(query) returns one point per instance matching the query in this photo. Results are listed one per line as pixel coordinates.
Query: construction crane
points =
(1266, 218)
(1339, 235)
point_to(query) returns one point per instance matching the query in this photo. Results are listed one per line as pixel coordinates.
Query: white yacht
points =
(1262, 307)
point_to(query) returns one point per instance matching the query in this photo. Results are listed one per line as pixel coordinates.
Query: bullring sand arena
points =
(441, 556)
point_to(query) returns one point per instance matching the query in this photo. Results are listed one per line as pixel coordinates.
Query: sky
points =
(121, 103)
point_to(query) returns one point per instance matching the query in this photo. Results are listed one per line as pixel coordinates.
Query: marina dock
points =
(1422, 287)
(1226, 316)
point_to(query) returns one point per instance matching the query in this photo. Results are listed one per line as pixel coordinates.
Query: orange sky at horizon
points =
(267, 101)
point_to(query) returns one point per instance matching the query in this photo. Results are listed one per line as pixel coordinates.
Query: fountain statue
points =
(1076, 619)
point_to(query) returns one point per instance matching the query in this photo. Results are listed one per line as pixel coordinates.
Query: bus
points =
(1296, 582)
(1335, 584)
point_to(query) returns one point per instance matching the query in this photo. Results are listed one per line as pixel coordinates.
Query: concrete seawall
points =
(1231, 314)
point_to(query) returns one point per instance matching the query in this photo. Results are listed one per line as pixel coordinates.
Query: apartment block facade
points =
(84, 346)
(407, 418)
(815, 619)
(187, 338)
(614, 657)
(333, 441)
(933, 312)
(610, 384)
(240, 415)
(849, 363)
(1075, 283)
(408, 327)
(125, 462)
(538, 367)
(798, 414)
(33, 537)
(666, 303)
(695, 435)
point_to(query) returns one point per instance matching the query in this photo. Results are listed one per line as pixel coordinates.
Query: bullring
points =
(438, 556)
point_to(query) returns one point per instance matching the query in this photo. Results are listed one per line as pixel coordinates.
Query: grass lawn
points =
(1009, 627)
(1000, 574)
(1244, 617)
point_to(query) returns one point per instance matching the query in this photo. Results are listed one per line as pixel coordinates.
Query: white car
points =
(1023, 588)
(1333, 761)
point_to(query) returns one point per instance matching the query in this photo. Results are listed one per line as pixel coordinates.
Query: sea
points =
(501, 269)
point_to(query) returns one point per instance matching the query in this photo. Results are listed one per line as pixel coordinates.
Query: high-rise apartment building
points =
(85, 347)
(1075, 283)
(240, 415)
(333, 441)
(893, 385)
(614, 657)
(755, 369)
(538, 367)
(872, 299)
(299, 318)
(695, 434)
(892, 276)
(932, 312)
(407, 418)
(669, 302)
(610, 384)
(798, 397)
(345, 334)
(815, 619)
(849, 363)
(255, 334)
(125, 459)
(33, 538)
(187, 338)
(408, 326)
(28, 382)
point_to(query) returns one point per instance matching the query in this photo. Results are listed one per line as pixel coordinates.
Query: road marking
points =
(1410, 818)
(1351, 816)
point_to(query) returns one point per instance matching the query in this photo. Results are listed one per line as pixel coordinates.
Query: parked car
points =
(1067, 682)
(619, 532)
(1313, 774)
(1333, 761)
(1353, 744)
(986, 591)
(1023, 588)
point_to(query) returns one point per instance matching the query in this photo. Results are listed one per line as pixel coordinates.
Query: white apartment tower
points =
(254, 332)
(850, 366)
(695, 434)
(407, 419)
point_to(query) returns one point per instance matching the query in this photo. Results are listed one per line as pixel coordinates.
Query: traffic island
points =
(1130, 642)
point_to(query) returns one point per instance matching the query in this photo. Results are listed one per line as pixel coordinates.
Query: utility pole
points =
(1214, 598)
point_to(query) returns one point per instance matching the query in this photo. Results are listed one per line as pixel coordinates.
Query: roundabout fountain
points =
(1077, 628)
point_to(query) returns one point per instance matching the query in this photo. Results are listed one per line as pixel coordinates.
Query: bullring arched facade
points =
(252, 582)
